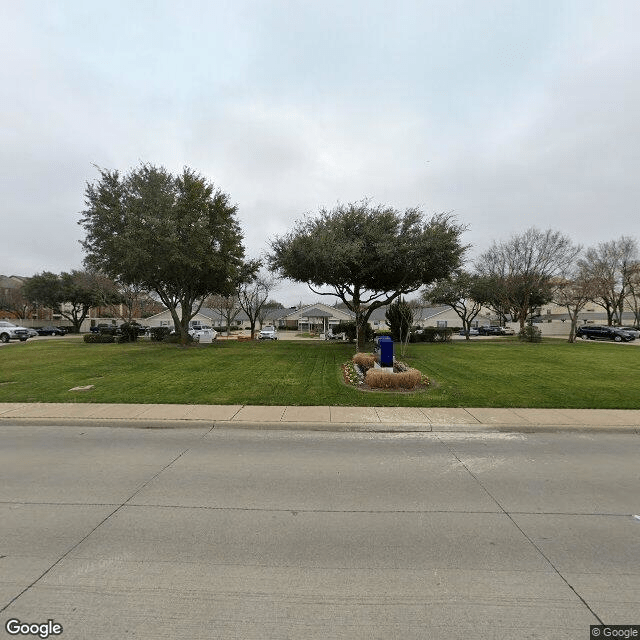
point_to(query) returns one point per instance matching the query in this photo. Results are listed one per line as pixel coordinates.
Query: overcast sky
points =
(510, 114)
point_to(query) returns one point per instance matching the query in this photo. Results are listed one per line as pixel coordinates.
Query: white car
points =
(268, 332)
(198, 332)
(9, 331)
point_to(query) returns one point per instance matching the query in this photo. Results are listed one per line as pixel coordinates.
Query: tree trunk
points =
(177, 323)
(572, 330)
(361, 333)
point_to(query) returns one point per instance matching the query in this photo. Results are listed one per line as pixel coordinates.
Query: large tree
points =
(70, 295)
(368, 255)
(521, 268)
(175, 235)
(610, 265)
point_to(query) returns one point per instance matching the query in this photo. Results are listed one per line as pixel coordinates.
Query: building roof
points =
(314, 312)
(11, 282)
(424, 313)
(318, 310)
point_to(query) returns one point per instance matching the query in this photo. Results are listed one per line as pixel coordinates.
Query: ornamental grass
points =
(378, 379)
(365, 360)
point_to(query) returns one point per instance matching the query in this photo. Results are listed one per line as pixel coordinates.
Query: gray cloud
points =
(510, 115)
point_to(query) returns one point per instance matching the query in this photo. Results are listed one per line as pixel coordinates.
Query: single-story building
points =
(318, 317)
(205, 316)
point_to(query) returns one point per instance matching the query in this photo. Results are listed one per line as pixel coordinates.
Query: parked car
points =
(508, 331)
(50, 331)
(472, 332)
(490, 331)
(268, 332)
(634, 331)
(110, 329)
(32, 332)
(592, 332)
(10, 331)
(197, 332)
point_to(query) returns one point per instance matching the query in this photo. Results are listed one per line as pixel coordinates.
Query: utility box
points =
(385, 344)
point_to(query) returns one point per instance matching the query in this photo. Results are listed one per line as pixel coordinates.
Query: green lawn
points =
(501, 373)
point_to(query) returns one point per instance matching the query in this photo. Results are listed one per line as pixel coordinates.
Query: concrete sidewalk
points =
(320, 418)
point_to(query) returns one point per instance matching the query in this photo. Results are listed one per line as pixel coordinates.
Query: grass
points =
(500, 373)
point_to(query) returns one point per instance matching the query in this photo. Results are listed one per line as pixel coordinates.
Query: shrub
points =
(99, 338)
(378, 379)
(175, 338)
(433, 334)
(399, 318)
(158, 334)
(530, 333)
(130, 332)
(437, 334)
(365, 360)
(349, 330)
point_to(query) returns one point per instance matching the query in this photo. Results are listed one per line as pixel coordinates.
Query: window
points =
(441, 324)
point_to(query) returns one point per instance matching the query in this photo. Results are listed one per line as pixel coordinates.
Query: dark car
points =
(50, 331)
(604, 333)
(634, 331)
(490, 331)
(110, 329)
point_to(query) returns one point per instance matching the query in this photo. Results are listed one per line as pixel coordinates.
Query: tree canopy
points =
(175, 235)
(70, 294)
(464, 292)
(368, 255)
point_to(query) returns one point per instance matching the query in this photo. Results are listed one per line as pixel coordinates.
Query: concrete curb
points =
(343, 427)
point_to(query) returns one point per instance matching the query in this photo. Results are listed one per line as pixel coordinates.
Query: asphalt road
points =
(133, 533)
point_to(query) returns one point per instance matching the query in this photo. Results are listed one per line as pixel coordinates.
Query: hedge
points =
(99, 338)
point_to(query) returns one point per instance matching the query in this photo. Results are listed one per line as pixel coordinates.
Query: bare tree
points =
(133, 300)
(269, 307)
(573, 293)
(611, 265)
(227, 306)
(253, 296)
(521, 269)
(13, 301)
(633, 295)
